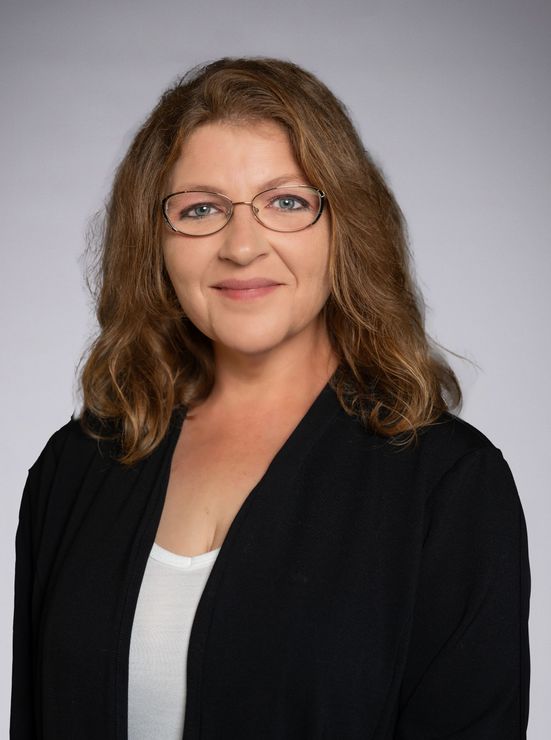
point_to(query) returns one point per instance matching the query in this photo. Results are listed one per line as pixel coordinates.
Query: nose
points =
(243, 238)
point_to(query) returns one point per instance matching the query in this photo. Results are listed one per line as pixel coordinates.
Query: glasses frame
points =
(233, 203)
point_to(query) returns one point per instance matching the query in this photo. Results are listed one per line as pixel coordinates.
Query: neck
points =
(294, 372)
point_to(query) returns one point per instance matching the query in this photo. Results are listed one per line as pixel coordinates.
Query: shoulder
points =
(451, 439)
(67, 450)
(70, 433)
(68, 457)
(436, 447)
(78, 452)
(438, 455)
(455, 441)
(458, 454)
(70, 442)
(470, 477)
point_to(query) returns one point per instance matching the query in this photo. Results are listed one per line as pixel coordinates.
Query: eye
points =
(289, 203)
(199, 210)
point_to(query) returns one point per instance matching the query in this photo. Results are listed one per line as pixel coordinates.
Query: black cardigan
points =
(363, 591)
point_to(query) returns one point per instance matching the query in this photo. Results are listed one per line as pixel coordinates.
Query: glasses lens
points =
(197, 213)
(288, 208)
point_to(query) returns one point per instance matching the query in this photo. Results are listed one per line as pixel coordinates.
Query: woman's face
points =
(239, 161)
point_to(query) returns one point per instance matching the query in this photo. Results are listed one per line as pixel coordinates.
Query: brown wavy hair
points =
(148, 359)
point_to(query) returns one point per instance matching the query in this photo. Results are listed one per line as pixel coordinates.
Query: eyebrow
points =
(274, 183)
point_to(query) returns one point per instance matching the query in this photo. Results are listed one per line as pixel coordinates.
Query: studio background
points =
(452, 98)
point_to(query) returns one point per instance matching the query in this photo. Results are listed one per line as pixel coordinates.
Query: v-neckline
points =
(324, 406)
(298, 444)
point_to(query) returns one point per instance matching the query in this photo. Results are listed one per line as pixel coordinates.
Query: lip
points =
(250, 284)
(245, 290)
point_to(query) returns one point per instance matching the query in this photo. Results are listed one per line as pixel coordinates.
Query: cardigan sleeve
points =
(468, 666)
(28, 591)
(22, 690)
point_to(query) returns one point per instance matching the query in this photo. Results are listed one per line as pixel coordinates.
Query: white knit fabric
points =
(171, 588)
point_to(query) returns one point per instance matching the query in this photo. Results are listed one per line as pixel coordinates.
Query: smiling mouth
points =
(245, 294)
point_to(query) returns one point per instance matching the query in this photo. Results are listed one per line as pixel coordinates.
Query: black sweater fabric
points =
(363, 591)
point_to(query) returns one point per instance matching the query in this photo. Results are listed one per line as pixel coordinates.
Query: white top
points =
(170, 591)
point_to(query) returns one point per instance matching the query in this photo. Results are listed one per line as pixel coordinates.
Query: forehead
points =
(218, 134)
(226, 155)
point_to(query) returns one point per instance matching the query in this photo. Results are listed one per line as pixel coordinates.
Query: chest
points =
(212, 473)
(308, 598)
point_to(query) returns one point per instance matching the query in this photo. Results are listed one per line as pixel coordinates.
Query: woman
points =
(266, 522)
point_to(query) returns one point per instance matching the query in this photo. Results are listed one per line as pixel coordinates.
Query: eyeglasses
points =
(200, 213)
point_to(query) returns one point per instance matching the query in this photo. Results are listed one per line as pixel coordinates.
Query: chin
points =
(250, 348)
(251, 343)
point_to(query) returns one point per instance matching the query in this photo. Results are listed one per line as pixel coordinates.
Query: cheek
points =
(181, 263)
(315, 271)
(184, 276)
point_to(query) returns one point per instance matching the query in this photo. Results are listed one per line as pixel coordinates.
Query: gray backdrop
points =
(451, 97)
